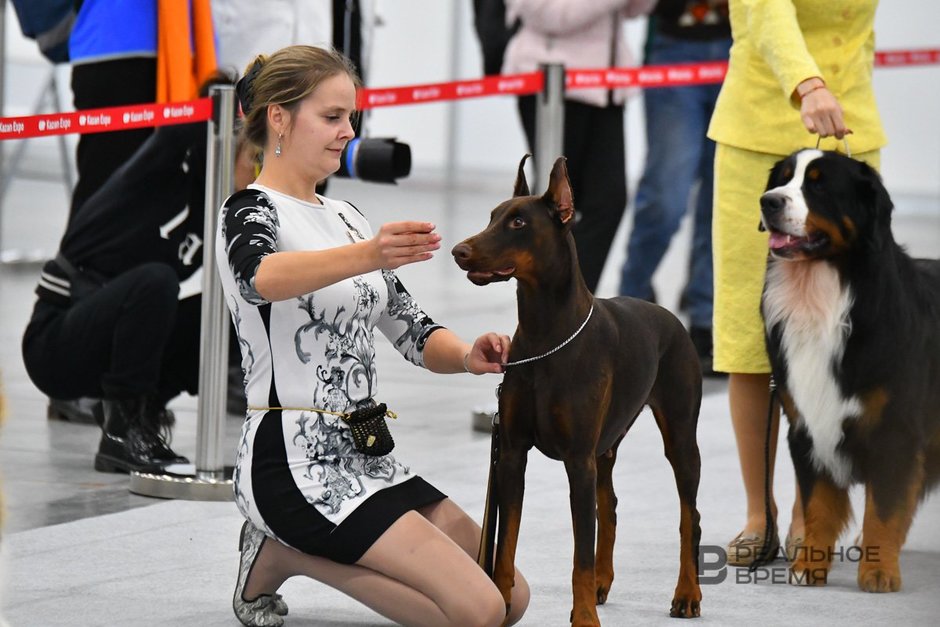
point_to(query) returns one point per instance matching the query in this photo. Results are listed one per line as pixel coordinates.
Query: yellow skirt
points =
(740, 255)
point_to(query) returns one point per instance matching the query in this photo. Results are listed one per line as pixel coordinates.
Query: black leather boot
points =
(133, 439)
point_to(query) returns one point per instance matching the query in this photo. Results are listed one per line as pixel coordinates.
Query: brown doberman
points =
(581, 369)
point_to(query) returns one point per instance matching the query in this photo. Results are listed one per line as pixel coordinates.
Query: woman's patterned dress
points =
(297, 474)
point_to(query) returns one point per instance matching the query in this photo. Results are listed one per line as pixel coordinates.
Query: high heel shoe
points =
(266, 610)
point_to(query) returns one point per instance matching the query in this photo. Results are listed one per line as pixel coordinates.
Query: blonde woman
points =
(307, 283)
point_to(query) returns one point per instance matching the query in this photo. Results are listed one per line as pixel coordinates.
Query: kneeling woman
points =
(307, 283)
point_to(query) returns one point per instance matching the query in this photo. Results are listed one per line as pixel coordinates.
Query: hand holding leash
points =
(820, 110)
(488, 354)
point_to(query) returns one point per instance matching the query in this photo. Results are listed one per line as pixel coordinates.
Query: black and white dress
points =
(297, 474)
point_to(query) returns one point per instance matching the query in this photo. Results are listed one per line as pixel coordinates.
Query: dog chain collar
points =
(557, 348)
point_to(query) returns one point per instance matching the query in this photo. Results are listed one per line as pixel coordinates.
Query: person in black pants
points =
(98, 155)
(596, 161)
(108, 322)
(581, 35)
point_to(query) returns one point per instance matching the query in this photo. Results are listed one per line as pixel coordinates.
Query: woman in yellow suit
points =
(798, 69)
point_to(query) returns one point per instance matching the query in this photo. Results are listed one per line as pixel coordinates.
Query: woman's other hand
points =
(488, 354)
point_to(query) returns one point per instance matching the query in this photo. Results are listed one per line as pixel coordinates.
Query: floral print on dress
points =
(404, 322)
(348, 346)
(250, 234)
(248, 356)
(334, 462)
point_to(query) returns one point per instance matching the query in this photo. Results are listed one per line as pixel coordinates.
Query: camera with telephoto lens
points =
(376, 159)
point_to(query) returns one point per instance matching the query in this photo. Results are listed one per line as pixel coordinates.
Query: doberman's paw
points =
(803, 573)
(587, 618)
(876, 579)
(683, 607)
(602, 594)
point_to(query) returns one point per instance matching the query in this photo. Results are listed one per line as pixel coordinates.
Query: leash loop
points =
(845, 141)
(554, 350)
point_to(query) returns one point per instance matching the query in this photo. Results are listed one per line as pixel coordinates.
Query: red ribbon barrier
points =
(488, 86)
(897, 58)
(106, 119)
(139, 116)
(647, 76)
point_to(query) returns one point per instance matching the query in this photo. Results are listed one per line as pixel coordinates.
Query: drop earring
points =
(277, 149)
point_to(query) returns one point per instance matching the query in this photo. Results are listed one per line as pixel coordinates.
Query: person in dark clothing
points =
(108, 322)
(581, 35)
(679, 161)
(111, 66)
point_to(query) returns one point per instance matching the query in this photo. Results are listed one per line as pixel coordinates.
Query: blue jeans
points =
(678, 157)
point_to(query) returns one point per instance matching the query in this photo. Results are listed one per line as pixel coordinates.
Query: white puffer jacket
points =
(576, 33)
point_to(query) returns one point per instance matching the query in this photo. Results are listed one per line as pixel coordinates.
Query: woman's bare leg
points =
(749, 398)
(453, 521)
(400, 576)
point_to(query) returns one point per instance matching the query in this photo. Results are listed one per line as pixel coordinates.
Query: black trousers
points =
(131, 337)
(109, 84)
(596, 160)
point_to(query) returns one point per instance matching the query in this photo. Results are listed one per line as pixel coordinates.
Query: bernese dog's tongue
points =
(780, 240)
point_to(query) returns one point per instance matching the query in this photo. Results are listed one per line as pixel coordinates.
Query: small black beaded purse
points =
(370, 431)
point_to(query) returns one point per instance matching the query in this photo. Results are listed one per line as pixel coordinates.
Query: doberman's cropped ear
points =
(559, 191)
(521, 188)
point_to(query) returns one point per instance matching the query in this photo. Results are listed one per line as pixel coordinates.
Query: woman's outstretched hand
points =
(400, 243)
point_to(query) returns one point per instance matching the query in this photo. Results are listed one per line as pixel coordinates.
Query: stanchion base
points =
(482, 419)
(189, 487)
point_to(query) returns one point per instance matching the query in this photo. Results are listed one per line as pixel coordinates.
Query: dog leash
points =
(766, 555)
(487, 552)
(845, 140)
(554, 350)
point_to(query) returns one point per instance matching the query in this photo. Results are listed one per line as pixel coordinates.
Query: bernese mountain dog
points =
(853, 333)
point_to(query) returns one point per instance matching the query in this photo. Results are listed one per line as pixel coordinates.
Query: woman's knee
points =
(481, 607)
(520, 599)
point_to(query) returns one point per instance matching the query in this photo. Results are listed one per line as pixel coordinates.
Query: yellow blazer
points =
(777, 45)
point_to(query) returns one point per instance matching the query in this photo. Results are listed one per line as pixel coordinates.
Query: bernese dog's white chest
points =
(812, 307)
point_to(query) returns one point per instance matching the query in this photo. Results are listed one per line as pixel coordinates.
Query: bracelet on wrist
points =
(811, 90)
(465, 366)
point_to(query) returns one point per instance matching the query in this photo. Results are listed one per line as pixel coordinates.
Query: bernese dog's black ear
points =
(774, 178)
(876, 203)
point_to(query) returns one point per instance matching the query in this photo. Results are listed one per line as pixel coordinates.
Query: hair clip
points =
(243, 88)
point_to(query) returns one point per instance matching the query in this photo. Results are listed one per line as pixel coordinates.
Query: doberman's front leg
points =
(606, 523)
(582, 484)
(510, 486)
(888, 515)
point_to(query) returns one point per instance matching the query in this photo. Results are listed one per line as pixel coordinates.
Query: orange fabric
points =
(185, 48)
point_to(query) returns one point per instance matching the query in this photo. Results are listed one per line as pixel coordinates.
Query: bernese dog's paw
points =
(879, 579)
(803, 573)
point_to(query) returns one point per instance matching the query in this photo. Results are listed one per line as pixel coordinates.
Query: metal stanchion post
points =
(211, 480)
(549, 123)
